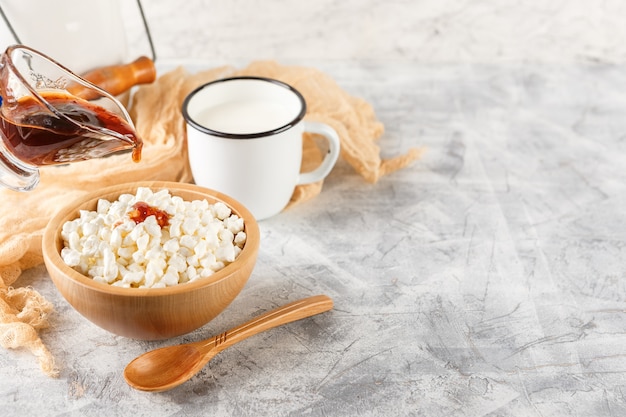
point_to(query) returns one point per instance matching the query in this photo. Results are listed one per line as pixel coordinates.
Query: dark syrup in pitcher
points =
(37, 137)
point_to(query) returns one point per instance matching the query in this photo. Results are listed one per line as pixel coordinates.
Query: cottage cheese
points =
(183, 241)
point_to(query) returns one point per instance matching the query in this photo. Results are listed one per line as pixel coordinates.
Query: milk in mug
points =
(245, 117)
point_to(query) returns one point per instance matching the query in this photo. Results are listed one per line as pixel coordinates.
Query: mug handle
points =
(330, 158)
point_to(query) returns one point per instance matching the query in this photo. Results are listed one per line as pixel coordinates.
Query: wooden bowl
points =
(150, 313)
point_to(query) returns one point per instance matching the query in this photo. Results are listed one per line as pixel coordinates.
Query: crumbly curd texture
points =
(110, 247)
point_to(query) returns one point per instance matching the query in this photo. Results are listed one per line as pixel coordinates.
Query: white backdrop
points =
(425, 31)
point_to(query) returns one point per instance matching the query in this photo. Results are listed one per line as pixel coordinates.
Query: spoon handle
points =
(286, 314)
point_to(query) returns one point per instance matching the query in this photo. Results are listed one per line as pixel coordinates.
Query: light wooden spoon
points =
(168, 367)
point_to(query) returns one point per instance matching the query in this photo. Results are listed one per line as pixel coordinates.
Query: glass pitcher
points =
(51, 116)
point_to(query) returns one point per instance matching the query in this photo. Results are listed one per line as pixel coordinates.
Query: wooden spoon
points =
(168, 367)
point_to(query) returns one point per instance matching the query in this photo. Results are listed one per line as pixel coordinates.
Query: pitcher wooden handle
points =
(116, 79)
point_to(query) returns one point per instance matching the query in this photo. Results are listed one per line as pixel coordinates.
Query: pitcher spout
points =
(50, 116)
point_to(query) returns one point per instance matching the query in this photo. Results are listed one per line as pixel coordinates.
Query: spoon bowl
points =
(168, 367)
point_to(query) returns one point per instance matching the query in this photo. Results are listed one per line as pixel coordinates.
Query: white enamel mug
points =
(244, 137)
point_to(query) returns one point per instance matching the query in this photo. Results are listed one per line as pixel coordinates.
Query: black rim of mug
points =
(255, 135)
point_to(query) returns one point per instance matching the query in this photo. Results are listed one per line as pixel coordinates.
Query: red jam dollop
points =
(141, 211)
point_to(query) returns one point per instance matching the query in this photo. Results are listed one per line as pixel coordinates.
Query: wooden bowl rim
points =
(70, 211)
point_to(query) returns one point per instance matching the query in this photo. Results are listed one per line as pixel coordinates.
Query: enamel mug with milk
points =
(244, 137)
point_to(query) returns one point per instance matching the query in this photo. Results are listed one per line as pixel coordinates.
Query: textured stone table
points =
(487, 279)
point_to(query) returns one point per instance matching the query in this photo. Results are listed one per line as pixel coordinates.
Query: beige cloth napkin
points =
(155, 109)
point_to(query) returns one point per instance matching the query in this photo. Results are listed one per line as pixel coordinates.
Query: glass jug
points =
(50, 116)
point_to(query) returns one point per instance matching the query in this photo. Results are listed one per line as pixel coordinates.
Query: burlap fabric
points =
(155, 109)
